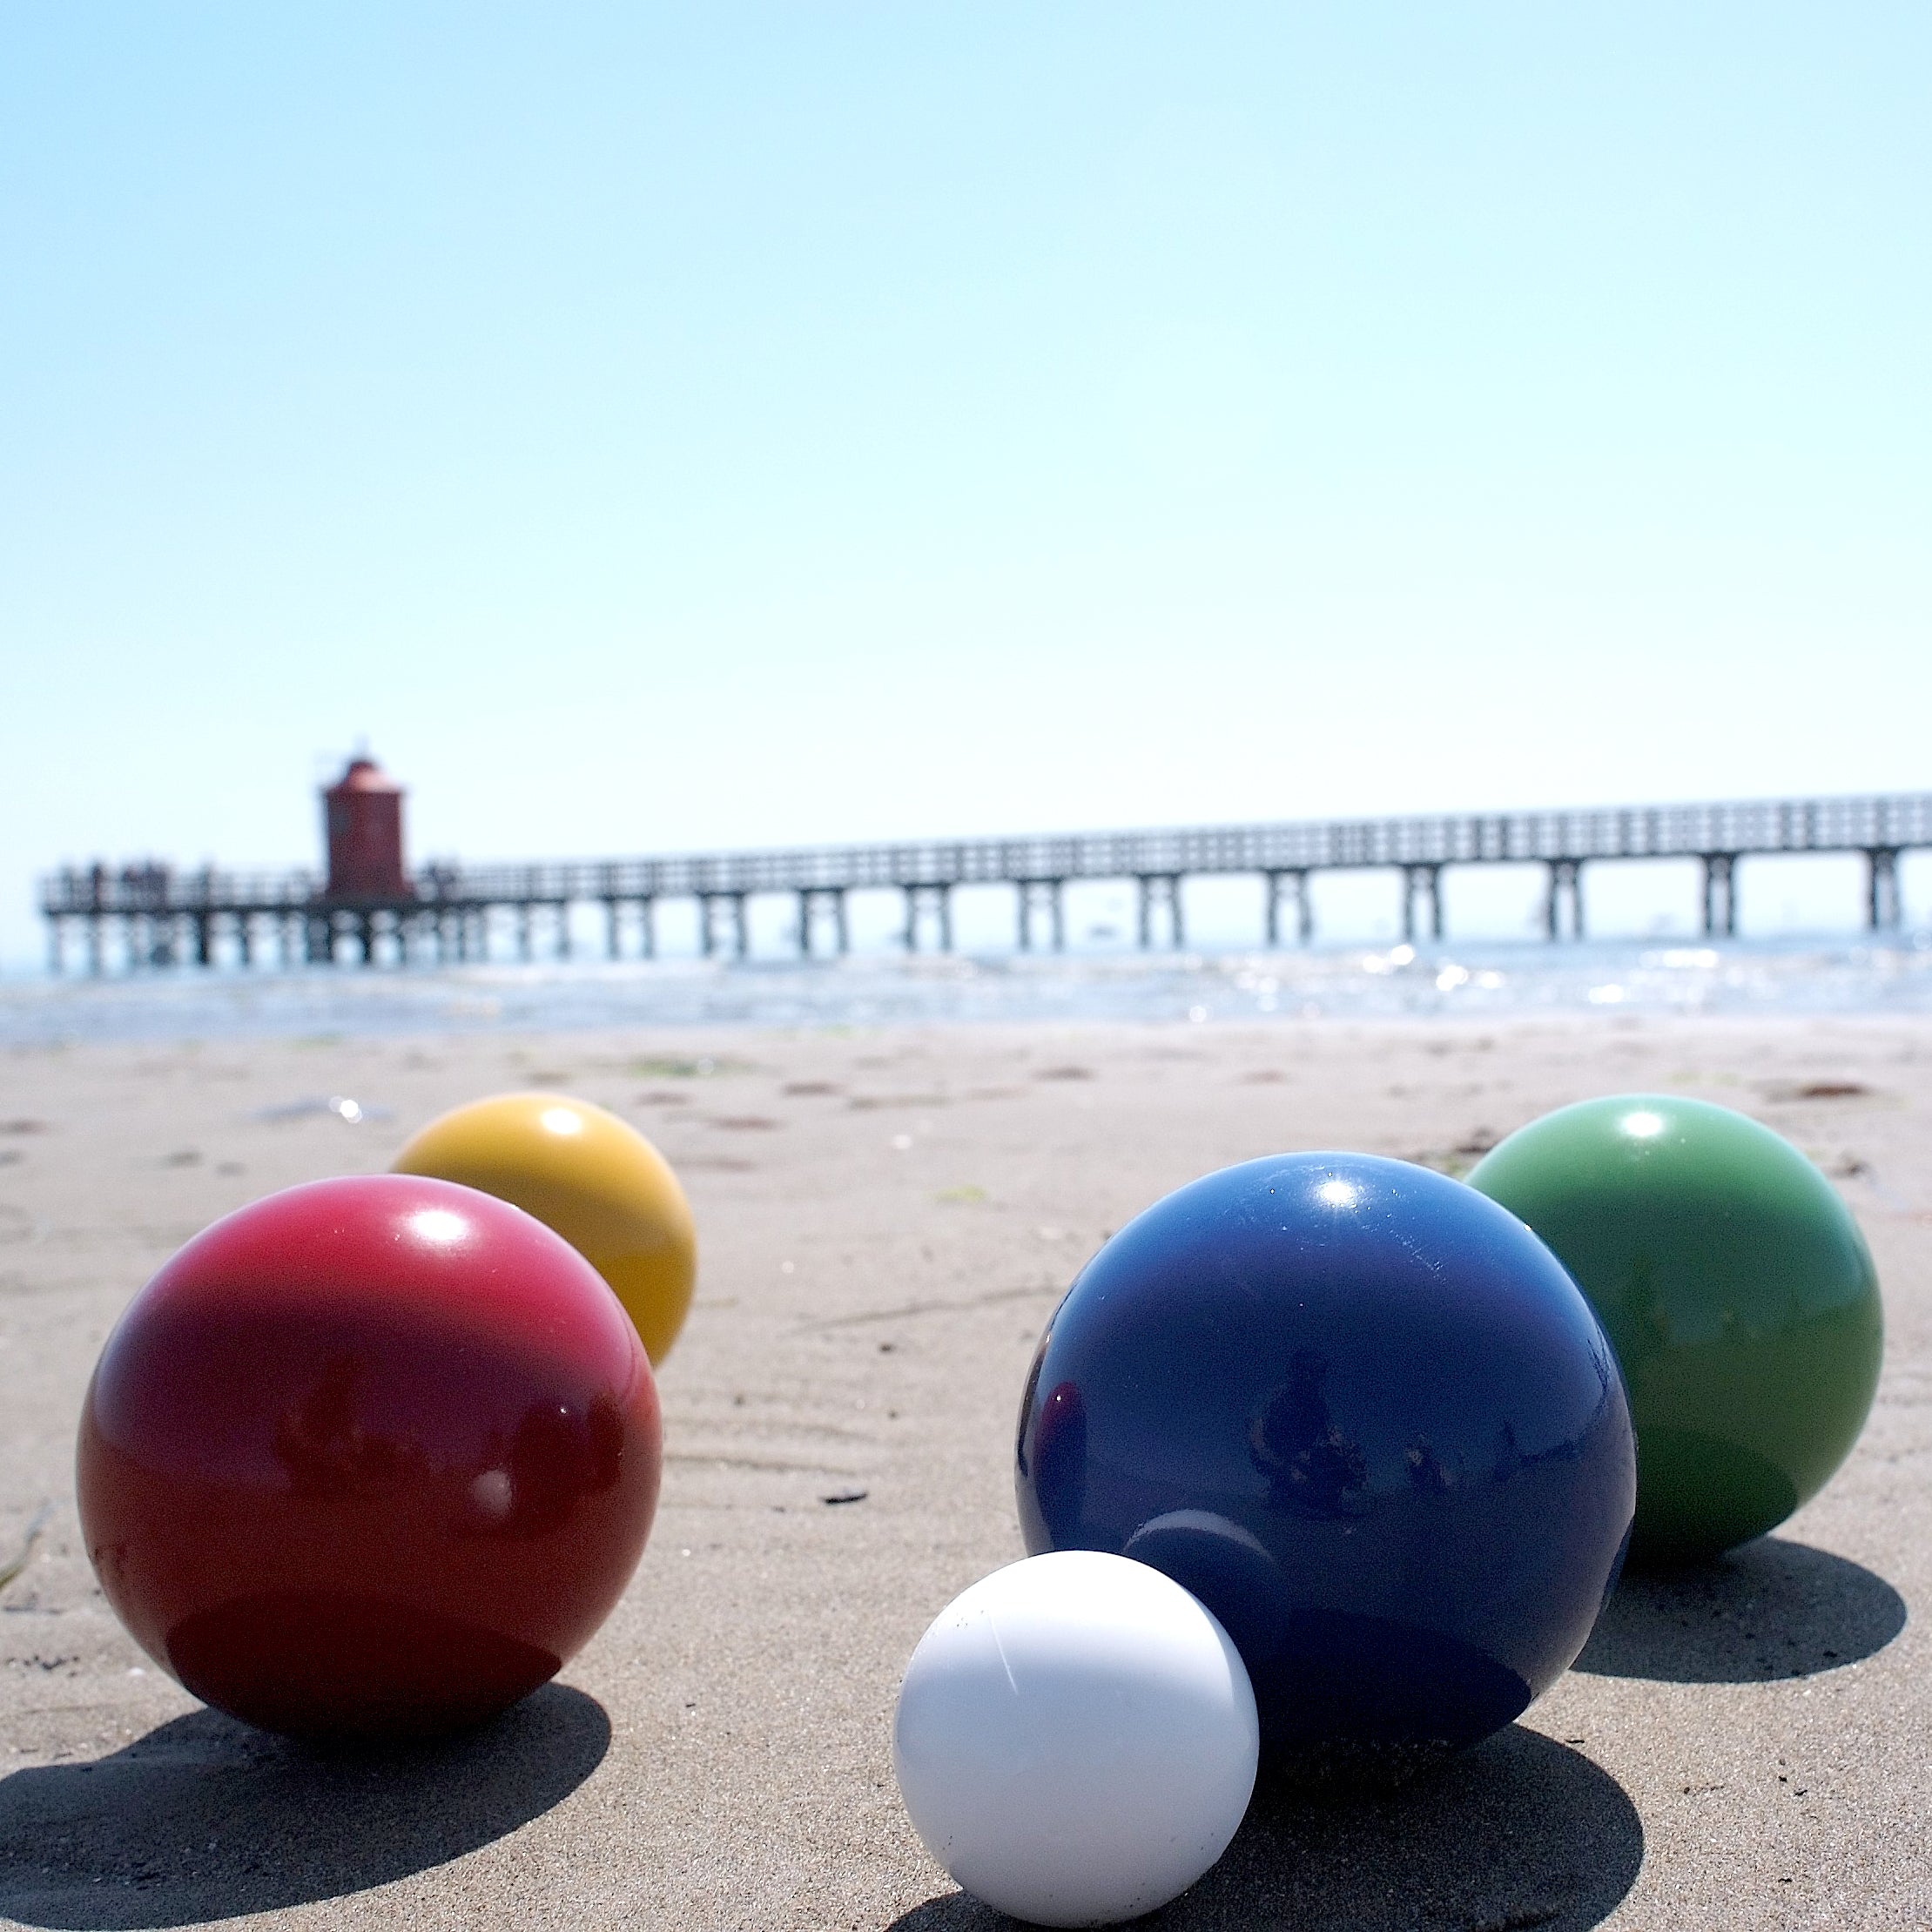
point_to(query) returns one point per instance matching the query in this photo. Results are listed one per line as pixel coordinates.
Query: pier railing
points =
(1649, 831)
(159, 913)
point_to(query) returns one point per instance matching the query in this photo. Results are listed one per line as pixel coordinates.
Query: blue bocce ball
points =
(1363, 1413)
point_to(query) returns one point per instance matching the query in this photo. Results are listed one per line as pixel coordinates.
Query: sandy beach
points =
(886, 1218)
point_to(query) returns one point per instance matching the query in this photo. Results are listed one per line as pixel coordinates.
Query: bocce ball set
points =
(1392, 1437)
(1325, 1462)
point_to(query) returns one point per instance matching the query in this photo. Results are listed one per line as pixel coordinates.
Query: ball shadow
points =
(1772, 1609)
(1520, 1831)
(204, 1818)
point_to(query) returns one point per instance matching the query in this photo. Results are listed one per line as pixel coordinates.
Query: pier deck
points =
(146, 915)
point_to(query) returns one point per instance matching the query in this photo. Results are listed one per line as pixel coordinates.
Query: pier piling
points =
(928, 906)
(1159, 892)
(1042, 895)
(1565, 889)
(1420, 882)
(1721, 903)
(1289, 884)
(1883, 909)
(815, 902)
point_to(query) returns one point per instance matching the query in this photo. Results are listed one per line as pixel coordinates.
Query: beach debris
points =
(801, 1089)
(964, 1195)
(182, 1157)
(988, 1298)
(1455, 1161)
(353, 1112)
(23, 1127)
(672, 1066)
(1064, 1073)
(1817, 1090)
(36, 1524)
(743, 1123)
(841, 1496)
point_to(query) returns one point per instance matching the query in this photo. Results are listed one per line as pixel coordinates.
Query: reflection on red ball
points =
(370, 1458)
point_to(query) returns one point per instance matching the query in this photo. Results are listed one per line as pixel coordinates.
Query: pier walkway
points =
(129, 917)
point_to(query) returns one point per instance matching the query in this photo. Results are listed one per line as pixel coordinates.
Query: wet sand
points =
(887, 1220)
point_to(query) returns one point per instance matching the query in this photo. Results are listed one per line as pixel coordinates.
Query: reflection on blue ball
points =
(1363, 1414)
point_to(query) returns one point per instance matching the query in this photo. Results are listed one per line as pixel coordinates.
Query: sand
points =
(887, 1218)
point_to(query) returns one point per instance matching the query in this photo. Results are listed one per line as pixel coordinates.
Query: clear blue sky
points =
(658, 428)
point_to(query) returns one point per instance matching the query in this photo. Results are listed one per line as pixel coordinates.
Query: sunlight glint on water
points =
(1497, 980)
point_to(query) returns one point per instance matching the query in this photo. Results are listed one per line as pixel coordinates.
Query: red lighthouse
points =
(362, 819)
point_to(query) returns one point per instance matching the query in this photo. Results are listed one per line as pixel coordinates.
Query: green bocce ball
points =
(1736, 1289)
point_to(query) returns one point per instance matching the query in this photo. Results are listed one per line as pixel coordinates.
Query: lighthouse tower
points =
(362, 822)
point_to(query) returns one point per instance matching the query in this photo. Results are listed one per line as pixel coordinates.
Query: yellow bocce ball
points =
(588, 1176)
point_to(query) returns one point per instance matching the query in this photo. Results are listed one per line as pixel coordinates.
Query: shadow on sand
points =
(1521, 1831)
(207, 1819)
(1772, 1609)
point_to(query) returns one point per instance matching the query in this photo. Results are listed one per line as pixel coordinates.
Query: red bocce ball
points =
(369, 1458)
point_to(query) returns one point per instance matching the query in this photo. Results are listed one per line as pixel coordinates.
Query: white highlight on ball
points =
(1076, 1739)
(439, 1227)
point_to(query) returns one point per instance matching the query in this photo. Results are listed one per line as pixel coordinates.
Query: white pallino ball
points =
(1076, 1739)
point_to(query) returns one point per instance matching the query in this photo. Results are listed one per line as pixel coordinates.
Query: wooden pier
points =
(110, 918)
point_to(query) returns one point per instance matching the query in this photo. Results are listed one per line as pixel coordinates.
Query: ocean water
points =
(1497, 980)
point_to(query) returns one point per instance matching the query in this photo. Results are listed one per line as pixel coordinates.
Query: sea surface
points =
(1498, 980)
